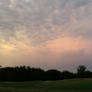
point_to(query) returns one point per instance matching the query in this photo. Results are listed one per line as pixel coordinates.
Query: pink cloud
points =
(69, 44)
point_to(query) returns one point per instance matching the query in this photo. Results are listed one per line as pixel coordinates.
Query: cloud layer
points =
(43, 33)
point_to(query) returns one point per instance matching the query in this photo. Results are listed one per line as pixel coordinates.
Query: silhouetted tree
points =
(81, 71)
(23, 73)
(53, 75)
(67, 75)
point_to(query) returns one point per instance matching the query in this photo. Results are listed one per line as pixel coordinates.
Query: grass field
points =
(76, 85)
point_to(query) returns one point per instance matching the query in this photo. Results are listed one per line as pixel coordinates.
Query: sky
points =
(50, 34)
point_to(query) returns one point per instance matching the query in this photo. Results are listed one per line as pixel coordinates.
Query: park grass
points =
(73, 85)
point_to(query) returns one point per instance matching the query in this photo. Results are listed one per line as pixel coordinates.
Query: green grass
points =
(76, 85)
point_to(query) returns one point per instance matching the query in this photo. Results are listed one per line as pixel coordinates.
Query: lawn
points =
(74, 85)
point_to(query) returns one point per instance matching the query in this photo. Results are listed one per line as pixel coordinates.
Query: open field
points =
(76, 85)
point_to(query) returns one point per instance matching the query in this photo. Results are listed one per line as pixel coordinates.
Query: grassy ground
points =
(76, 85)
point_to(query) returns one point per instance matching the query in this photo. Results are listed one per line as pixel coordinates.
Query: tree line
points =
(26, 73)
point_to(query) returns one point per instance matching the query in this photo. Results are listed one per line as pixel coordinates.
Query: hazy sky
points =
(46, 33)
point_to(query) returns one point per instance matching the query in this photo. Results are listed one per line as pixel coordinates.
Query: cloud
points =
(51, 54)
(12, 3)
(48, 18)
(45, 32)
(69, 44)
(20, 43)
(65, 52)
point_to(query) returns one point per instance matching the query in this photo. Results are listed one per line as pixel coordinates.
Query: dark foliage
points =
(53, 75)
(24, 73)
(67, 75)
(82, 72)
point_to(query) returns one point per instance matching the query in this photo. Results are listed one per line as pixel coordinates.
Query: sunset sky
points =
(46, 33)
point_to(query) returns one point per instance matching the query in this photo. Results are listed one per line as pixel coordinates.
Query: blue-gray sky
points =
(42, 33)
